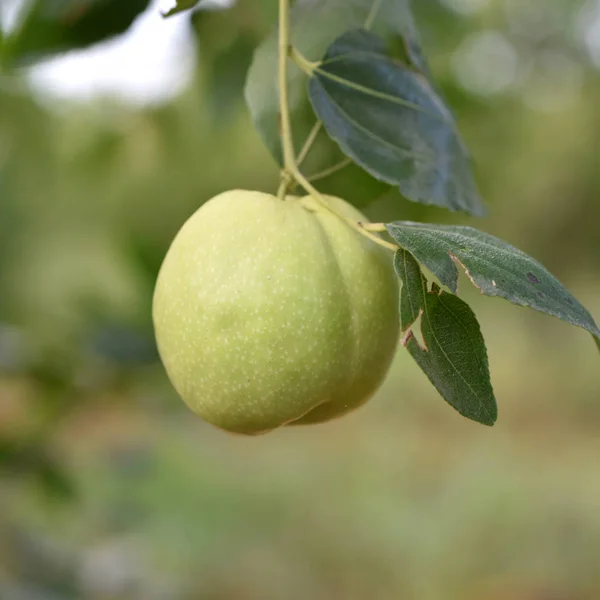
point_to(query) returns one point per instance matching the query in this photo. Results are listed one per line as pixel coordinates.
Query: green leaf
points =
(227, 44)
(390, 121)
(493, 266)
(454, 357)
(180, 6)
(314, 26)
(414, 288)
(51, 27)
(227, 76)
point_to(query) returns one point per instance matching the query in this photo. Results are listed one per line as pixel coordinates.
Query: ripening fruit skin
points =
(271, 312)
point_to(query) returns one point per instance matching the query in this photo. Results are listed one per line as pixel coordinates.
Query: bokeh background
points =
(111, 489)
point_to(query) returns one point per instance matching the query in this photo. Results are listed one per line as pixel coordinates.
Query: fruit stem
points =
(290, 166)
(309, 67)
(284, 185)
(287, 139)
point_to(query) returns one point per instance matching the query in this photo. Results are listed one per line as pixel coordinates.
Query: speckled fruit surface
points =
(271, 312)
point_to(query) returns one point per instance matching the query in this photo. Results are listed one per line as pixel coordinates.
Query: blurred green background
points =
(112, 490)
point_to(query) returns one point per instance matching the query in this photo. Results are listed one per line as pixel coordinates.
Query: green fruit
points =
(271, 312)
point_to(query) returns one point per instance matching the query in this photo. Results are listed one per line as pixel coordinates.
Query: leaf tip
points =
(491, 420)
(490, 413)
(483, 418)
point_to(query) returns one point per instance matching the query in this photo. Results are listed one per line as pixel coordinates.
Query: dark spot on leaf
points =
(540, 294)
(532, 278)
(569, 301)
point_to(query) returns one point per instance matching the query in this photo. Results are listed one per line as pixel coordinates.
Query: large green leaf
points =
(314, 26)
(493, 266)
(454, 357)
(227, 43)
(390, 121)
(60, 25)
